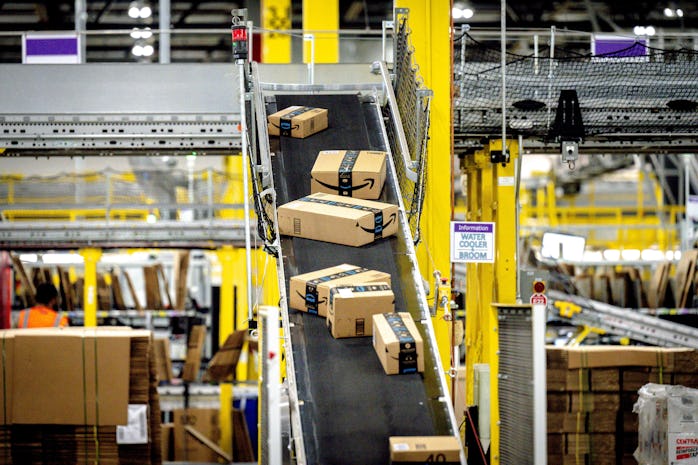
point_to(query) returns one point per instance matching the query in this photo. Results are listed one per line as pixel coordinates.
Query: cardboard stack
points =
(591, 392)
(65, 393)
(205, 422)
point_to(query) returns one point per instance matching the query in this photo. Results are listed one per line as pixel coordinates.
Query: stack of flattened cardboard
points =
(591, 392)
(195, 348)
(222, 365)
(68, 394)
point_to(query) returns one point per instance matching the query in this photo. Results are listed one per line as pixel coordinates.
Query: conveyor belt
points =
(349, 407)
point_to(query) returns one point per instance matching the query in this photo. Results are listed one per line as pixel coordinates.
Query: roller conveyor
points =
(348, 406)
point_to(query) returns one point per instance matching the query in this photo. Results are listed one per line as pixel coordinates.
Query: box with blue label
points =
(349, 173)
(337, 219)
(310, 292)
(397, 343)
(352, 307)
(297, 121)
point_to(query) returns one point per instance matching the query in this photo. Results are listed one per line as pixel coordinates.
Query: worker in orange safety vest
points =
(42, 314)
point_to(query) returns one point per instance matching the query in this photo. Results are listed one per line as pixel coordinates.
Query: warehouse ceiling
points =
(586, 15)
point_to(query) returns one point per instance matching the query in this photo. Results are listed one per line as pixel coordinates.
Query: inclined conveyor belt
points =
(348, 405)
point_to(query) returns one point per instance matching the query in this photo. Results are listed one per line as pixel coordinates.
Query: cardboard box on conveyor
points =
(337, 219)
(397, 343)
(424, 449)
(310, 292)
(297, 121)
(349, 173)
(352, 306)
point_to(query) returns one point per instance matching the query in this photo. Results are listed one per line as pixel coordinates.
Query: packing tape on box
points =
(378, 225)
(407, 358)
(285, 121)
(311, 296)
(362, 288)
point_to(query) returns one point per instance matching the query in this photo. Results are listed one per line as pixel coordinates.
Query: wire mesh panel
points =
(635, 90)
(413, 102)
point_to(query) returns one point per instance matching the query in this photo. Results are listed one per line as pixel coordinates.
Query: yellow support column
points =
(430, 22)
(226, 257)
(321, 15)
(89, 301)
(276, 16)
(491, 198)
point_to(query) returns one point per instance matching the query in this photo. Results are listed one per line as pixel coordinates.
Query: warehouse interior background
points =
(127, 174)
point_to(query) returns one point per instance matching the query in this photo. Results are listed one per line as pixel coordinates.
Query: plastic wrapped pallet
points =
(668, 425)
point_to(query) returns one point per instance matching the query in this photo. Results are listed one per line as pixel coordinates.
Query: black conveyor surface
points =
(350, 406)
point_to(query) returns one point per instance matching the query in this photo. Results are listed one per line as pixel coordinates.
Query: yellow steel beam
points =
(321, 15)
(491, 198)
(276, 16)
(91, 256)
(430, 22)
(227, 258)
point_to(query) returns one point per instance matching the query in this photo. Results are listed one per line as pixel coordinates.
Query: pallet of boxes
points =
(79, 396)
(591, 394)
(344, 208)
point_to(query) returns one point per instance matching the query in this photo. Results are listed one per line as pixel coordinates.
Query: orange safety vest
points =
(41, 316)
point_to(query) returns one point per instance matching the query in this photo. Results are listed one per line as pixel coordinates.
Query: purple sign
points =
(612, 47)
(472, 242)
(50, 48)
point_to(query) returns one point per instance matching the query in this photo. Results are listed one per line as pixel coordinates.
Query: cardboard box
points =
(349, 173)
(7, 374)
(310, 292)
(582, 422)
(424, 449)
(72, 377)
(397, 343)
(223, 364)
(352, 307)
(297, 121)
(336, 219)
(188, 448)
(161, 351)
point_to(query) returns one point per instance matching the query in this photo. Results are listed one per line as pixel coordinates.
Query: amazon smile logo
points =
(347, 190)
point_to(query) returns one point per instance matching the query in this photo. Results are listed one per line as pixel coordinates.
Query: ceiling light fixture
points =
(141, 33)
(139, 10)
(461, 11)
(668, 12)
(644, 30)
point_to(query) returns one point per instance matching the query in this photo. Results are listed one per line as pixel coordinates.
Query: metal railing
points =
(139, 196)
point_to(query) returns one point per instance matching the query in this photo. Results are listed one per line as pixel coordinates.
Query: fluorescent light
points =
(456, 13)
(644, 31)
(630, 254)
(148, 50)
(468, 13)
(146, 12)
(29, 257)
(62, 258)
(141, 33)
(562, 246)
(668, 12)
(137, 50)
(679, 12)
(134, 12)
(151, 218)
